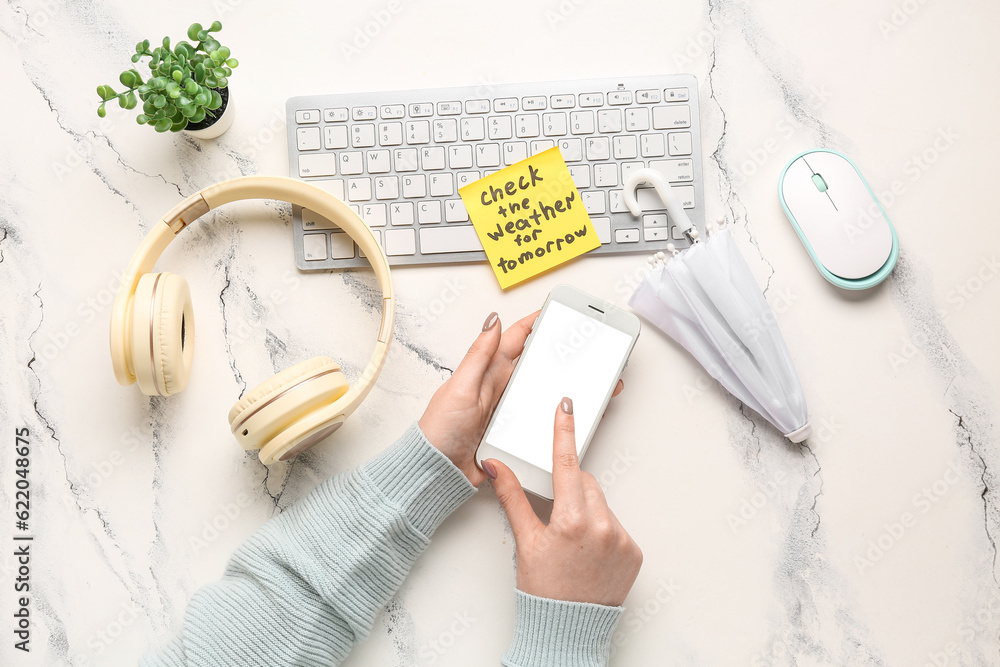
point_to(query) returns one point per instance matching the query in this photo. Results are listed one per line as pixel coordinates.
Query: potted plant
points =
(188, 87)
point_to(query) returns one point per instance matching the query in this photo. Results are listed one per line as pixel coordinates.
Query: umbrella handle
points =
(666, 195)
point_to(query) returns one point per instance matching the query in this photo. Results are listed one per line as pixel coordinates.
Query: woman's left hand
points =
(460, 409)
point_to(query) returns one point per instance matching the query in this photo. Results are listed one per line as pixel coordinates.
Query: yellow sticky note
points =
(529, 217)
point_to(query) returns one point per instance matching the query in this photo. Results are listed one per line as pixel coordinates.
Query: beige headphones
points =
(152, 328)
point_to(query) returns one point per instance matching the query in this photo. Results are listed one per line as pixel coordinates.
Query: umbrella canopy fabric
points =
(707, 300)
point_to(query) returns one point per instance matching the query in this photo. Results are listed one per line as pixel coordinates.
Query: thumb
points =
(515, 504)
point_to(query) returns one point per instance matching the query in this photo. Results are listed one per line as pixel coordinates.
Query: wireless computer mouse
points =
(838, 219)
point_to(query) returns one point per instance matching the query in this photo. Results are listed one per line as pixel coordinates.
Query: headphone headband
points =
(253, 187)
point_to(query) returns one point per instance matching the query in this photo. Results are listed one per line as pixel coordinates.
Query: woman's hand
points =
(457, 414)
(584, 554)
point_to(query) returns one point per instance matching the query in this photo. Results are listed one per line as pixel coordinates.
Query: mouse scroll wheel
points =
(819, 182)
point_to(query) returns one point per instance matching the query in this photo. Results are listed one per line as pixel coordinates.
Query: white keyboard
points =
(399, 158)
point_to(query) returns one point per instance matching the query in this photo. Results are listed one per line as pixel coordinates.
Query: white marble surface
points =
(902, 380)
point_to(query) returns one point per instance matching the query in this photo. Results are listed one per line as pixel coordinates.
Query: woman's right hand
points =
(584, 554)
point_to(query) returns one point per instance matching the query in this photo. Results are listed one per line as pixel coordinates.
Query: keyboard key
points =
(594, 202)
(650, 96)
(563, 101)
(676, 233)
(318, 164)
(390, 111)
(591, 99)
(624, 147)
(432, 158)
(418, 132)
(363, 135)
(312, 221)
(473, 129)
(351, 162)
(378, 162)
(314, 246)
(445, 130)
(466, 177)
(637, 120)
(655, 234)
(554, 124)
(442, 185)
(626, 236)
(364, 113)
(303, 116)
(414, 186)
(400, 242)
(652, 145)
(616, 202)
(338, 115)
(307, 138)
(449, 108)
(534, 103)
(405, 159)
(649, 201)
(386, 187)
(359, 189)
(609, 120)
(500, 127)
(679, 143)
(606, 175)
(459, 238)
(335, 137)
(620, 98)
(526, 125)
(629, 167)
(540, 145)
(676, 95)
(374, 214)
(514, 151)
(581, 122)
(581, 175)
(488, 155)
(598, 148)
(655, 220)
(401, 213)
(505, 104)
(460, 156)
(341, 246)
(670, 117)
(674, 170)
(429, 212)
(477, 106)
(571, 149)
(390, 134)
(603, 228)
(455, 211)
(421, 110)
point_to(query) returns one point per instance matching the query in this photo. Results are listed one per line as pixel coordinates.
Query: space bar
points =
(435, 240)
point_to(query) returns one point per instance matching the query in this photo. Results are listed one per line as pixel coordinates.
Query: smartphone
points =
(578, 347)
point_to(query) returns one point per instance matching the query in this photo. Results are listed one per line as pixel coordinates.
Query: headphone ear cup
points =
(162, 321)
(278, 404)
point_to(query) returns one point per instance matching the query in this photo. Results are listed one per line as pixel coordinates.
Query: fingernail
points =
(488, 468)
(490, 321)
(567, 405)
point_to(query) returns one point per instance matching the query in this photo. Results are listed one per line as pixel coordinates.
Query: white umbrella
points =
(707, 300)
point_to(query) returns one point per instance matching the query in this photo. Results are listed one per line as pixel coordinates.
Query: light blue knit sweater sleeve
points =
(309, 583)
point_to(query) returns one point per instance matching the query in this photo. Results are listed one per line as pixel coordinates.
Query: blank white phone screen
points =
(571, 355)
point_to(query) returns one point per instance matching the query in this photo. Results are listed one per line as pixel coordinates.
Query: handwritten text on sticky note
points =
(529, 217)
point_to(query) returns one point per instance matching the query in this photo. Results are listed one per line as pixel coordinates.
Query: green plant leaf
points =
(166, 43)
(127, 78)
(139, 50)
(191, 87)
(123, 100)
(142, 119)
(106, 92)
(101, 111)
(216, 26)
(197, 117)
(162, 125)
(210, 82)
(222, 81)
(203, 98)
(136, 57)
(173, 89)
(132, 101)
(193, 30)
(233, 62)
(145, 45)
(216, 100)
(148, 107)
(177, 127)
(159, 101)
(199, 72)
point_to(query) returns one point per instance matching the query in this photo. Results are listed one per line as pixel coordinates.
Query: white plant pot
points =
(220, 126)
